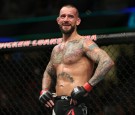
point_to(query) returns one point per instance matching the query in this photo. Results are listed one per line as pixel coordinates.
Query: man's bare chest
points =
(68, 53)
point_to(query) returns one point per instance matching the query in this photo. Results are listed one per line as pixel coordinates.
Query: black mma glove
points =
(45, 95)
(80, 91)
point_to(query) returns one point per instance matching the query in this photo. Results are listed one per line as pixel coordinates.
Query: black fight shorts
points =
(62, 107)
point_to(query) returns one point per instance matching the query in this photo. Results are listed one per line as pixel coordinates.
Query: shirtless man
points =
(72, 62)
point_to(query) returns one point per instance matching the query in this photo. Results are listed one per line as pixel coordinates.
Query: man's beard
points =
(70, 31)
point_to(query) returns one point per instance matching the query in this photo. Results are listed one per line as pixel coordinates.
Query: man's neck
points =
(70, 37)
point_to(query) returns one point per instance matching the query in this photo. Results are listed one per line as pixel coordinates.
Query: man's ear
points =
(78, 21)
(58, 20)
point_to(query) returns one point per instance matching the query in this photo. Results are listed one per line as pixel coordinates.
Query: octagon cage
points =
(22, 64)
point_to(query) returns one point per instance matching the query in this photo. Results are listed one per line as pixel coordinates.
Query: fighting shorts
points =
(62, 107)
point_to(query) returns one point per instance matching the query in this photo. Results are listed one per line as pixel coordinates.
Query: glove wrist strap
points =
(44, 90)
(88, 87)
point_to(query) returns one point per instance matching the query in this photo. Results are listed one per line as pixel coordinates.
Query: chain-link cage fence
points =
(21, 74)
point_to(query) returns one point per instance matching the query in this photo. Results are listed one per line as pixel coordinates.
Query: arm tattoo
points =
(92, 54)
(104, 63)
(48, 75)
(50, 69)
(101, 70)
(93, 46)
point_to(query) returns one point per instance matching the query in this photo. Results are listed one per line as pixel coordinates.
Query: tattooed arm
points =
(99, 56)
(45, 94)
(47, 76)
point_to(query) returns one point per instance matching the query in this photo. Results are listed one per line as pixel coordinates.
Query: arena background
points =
(22, 65)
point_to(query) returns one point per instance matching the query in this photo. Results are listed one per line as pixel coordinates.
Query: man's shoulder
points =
(56, 46)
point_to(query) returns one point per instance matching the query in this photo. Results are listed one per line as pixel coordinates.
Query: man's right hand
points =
(46, 98)
(81, 91)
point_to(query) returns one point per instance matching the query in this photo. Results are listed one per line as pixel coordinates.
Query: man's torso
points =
(72, 66)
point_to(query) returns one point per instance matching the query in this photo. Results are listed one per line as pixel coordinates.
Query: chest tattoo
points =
(70, 52)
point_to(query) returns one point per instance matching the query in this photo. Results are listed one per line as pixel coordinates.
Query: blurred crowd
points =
(10, 9)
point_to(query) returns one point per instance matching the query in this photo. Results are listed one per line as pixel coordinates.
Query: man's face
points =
(68, 20)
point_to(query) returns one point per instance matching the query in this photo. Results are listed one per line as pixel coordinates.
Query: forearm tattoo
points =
(101, 70)
(49, 76)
